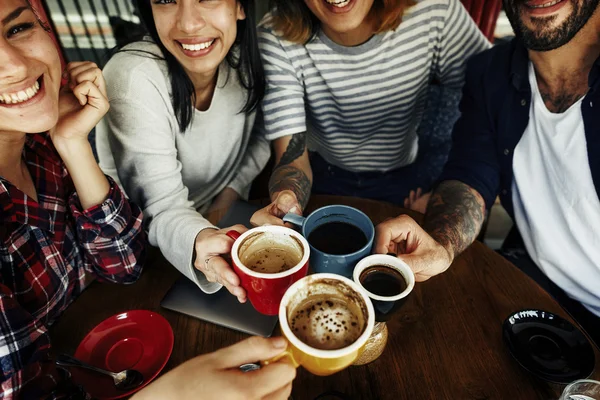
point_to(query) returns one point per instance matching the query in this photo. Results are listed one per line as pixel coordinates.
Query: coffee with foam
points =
(271, 253)
(329, 316)
(326, 324)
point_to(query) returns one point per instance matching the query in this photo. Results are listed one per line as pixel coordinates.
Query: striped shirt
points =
(361, 106)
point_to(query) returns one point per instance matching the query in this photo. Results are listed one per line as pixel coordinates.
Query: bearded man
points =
(530, 133)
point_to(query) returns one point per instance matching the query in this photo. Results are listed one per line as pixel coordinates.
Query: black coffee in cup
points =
(382, 280)
(337, 238)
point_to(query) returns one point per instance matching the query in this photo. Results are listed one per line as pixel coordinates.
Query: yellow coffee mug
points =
(318, 361)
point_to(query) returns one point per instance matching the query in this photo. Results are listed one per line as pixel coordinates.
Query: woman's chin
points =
(40, 124)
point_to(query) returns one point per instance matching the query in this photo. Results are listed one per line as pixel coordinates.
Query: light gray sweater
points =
(175, 176)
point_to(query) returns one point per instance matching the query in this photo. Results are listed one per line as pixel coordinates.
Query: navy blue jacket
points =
(495, 114)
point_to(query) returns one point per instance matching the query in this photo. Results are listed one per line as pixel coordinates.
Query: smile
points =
(21, 96)
(197, 46)
(338, 3)
(545, 5)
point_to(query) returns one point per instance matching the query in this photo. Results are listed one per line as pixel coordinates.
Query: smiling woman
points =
(29, 90)
(347, 87)
(58, 222)
(180, 135)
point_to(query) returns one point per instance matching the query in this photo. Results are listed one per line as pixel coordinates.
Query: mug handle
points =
(287, 353)
(233, 234)
(294, 219)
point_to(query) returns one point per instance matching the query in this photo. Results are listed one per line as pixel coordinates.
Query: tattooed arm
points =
(454, 216)
(453, 220)
(292, 171)
(290, 183)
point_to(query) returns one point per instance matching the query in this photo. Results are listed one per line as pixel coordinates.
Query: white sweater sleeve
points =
(141, 138)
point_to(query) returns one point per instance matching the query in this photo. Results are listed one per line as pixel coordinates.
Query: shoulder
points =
(270, 39)
(430, 18)
(439, 12)
(430, 8)
(134, 67)
(495, 62)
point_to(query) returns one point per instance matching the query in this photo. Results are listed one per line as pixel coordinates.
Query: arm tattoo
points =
(289, 177)
(295, 149)
(454, 216)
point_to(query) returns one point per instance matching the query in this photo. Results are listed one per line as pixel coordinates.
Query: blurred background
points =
(87, 28)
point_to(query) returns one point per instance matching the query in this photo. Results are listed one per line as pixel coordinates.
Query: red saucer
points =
(137, 339)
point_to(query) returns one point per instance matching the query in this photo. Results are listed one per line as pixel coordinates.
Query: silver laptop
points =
(221, 308)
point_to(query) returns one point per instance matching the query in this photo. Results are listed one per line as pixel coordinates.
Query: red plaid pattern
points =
(46, 250)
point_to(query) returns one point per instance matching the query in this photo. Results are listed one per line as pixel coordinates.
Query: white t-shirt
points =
(557, 209)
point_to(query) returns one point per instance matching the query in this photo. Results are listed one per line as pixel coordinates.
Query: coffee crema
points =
(270, 253)
(383, 280)
(326, 323)
(337, 238)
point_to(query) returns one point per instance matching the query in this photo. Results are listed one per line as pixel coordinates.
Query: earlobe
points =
(241, 14)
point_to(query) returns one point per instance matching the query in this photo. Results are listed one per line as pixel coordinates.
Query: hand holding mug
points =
(327, 320)
(217, 375)
(268, 260)
(285, 202)
(211, 246)
(420, 251)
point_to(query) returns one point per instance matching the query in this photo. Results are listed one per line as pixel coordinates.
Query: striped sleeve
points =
(461, 39)
(283, 105)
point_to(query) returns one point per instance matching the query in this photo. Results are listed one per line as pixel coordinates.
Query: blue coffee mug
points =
(321, 262)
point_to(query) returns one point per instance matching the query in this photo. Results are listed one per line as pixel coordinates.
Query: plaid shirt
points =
(47, 248)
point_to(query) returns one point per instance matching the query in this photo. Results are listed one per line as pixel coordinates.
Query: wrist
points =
(204, 233)
(229, 193)
(72, 147)
(447, 249)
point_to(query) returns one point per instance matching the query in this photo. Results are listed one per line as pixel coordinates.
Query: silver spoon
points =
(124, 380)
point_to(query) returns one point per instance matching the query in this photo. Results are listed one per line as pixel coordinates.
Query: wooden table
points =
(446, 343)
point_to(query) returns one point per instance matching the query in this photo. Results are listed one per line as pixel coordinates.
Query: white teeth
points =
(21, 96)
(338, 3)
(550, 4)
(198, 46)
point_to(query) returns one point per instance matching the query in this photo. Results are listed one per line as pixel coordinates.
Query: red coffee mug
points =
(265, 290)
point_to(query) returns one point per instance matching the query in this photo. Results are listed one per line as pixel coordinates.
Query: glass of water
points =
(584, 389)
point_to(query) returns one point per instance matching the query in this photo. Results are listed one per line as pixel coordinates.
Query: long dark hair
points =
(245, 60)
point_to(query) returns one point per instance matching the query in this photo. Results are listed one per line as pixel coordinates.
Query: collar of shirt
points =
(46, 169)
(520, 76)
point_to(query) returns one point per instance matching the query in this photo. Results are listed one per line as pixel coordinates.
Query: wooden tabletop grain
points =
(445, 343)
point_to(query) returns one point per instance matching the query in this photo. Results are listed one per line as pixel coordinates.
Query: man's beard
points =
(542, 37)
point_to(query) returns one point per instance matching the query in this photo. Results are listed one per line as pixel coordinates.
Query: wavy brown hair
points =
(296, 23)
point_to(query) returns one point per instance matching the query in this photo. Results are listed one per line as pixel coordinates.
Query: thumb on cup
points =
(287, 203)
(251, 350)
